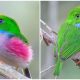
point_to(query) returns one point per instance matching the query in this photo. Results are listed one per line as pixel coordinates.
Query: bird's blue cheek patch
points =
(10, 35)
(77, 25)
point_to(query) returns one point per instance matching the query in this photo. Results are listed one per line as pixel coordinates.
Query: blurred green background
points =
(54, 13)
(26, 13)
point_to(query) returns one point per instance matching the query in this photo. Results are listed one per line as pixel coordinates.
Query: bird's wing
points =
(22, 37)
(69, 41)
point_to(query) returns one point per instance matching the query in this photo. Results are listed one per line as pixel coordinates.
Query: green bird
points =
(68, 43)
(14, 47)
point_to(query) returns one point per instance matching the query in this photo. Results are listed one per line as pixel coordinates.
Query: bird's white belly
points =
(11, 59)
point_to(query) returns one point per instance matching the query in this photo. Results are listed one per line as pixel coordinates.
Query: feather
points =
(68, 42)
(14, 51)
(58, 67)
(20, 49)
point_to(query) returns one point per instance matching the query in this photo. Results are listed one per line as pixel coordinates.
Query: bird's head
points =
(74, 16)
(8, 24)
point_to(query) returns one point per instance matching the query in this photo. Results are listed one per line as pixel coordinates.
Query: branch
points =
(8, 72)
(76, 59)
(47, 69)
(47, 38)
(45, 25)
(48, 27)
(43, 71)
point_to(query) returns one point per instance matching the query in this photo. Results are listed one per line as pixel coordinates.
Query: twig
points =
(48, 27)
(44, 32)
(47, 38)
(45, 25)
(46, 69)
(8, 72)
(41, 35)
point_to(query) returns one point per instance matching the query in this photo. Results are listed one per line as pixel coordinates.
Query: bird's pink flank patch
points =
(19, 48)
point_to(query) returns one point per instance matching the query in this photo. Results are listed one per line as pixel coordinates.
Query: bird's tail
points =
(58, 67)
(27, 72)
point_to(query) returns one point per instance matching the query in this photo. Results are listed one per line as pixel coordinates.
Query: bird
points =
(15, 49)
(68, 41)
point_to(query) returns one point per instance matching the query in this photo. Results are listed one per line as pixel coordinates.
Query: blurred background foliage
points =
(54, 14)
(26, 13)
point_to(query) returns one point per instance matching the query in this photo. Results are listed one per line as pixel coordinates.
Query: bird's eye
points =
(1, 21)
(77, 16)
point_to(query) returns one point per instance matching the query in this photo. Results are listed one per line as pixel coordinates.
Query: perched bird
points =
(14, 47)
(68, 43)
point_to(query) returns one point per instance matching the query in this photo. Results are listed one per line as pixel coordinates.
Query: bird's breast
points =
(3, 40)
